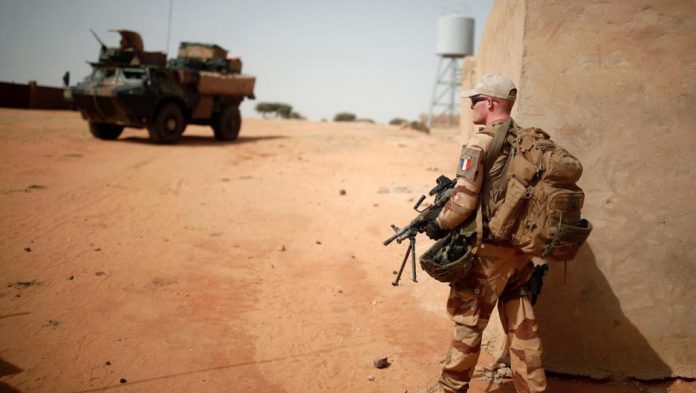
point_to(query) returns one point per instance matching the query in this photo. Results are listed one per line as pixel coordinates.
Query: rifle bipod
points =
(410, 250)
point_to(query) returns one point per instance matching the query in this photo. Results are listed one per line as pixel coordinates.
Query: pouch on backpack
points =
(506, 216)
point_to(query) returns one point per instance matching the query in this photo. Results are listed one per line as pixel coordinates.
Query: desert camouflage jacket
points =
(470, 176)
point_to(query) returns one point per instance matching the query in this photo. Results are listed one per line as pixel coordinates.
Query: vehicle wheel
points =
(227, 123)
(168, 124)
(105, 131)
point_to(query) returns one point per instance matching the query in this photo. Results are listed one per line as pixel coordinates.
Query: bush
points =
(419, 126)
(397, 121)
(344, 116)
(277, 109)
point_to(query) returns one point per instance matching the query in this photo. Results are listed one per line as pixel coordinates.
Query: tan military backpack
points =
(539, 212)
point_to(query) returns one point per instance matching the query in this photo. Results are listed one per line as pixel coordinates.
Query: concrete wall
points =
(615, 83)
(500, 52)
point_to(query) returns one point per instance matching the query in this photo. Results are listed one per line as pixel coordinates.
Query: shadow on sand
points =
(584, 330)
(7, 368)
(198, 140)
(564, 383)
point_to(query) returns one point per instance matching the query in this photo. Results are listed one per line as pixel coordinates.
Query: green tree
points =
(265, 109)
(284, 111)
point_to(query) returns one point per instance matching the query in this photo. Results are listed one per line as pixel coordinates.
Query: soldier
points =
(500, 271)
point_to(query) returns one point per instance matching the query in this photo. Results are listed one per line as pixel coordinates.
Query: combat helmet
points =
(448, 259)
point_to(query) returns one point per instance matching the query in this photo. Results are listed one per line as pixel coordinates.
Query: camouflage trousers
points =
(498, 276)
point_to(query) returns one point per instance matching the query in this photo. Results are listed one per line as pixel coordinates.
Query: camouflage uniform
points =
(499, 276)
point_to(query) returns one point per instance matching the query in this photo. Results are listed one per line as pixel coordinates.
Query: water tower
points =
(455, 40)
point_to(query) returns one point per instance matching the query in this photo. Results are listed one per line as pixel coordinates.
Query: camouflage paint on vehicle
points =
(129, 87)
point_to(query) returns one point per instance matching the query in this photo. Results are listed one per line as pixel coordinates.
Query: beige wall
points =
(615, 83)
(500, 52)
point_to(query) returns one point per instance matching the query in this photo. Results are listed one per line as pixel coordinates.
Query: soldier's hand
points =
(434, 231)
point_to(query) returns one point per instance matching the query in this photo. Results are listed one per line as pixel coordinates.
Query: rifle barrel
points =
(98, 40)
(391, 239)
(398, 235)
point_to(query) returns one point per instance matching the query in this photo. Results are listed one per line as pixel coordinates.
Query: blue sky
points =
(373, 58)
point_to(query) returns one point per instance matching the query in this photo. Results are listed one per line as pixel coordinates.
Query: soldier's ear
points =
(489, 102)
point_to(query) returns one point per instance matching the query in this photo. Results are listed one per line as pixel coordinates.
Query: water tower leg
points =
(445, 90)
(433, 102)
(453, 91)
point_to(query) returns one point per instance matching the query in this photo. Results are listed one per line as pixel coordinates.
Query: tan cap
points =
(493, 85)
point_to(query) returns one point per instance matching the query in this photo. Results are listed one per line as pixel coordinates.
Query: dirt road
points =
(253, 266)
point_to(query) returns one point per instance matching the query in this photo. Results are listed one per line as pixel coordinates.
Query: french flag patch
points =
(465, 163)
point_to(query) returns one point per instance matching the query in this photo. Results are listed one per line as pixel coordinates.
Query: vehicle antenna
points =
(169, 24)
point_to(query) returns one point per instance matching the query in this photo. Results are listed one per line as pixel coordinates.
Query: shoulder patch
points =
(469, 162)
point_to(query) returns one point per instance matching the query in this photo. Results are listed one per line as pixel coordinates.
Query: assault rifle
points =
(442, 192)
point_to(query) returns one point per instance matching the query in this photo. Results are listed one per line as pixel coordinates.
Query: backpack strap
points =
(497, 144)
(491, 155)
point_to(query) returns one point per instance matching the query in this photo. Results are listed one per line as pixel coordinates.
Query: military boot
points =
(434, 389)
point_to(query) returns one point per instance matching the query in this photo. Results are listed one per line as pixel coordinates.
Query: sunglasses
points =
(476, 99)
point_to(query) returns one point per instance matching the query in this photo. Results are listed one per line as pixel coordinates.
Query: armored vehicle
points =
(130, 87)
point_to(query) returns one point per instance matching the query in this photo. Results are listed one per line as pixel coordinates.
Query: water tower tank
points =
(455, 36)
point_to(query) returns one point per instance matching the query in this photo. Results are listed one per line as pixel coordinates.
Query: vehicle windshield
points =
(131, 75)
(102, 73)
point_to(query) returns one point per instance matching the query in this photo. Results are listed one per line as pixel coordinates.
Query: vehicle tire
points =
(168, 124)
(227, 123)
(104, 131)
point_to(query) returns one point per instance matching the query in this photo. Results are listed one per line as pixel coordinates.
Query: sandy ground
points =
(253, 266)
